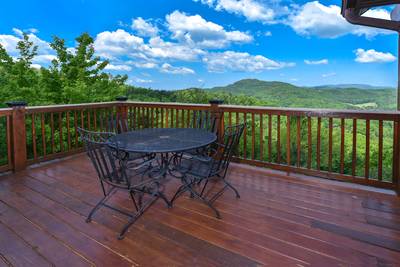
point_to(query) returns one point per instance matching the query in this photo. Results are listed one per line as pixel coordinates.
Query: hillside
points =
(288, 95)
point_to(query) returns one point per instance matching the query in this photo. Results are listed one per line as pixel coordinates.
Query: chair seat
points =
(201, 166)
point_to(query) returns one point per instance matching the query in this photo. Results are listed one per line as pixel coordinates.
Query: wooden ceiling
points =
(361, 4)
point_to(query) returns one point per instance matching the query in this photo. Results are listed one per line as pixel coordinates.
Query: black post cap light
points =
(19, 103)
(121, 98)
(216, 102)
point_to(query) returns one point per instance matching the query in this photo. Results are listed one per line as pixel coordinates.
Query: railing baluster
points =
(34, 136)
(177, 118)
(342, 142)
(367, 147)
(89, 126)
(8, 134)
(157, 117)
(245, 136)
(183, 118)
(278, 136)
(269, 137)
(309, 142)
(42, 125)
(60, 130)
(148, 118)
(82, 120)
(68, 130)
(354, 161)
(288, 140)
(261, 137)
(396, 151)
(76, 128)
(101, 119)
(52, 132)
(298, 142)
(253, 136)
(319, 143)
(380, 150)
(166, 118)
(95, 119)
(330, 144)
(188, 118)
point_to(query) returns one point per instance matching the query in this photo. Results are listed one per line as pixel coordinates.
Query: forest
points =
(78, 76)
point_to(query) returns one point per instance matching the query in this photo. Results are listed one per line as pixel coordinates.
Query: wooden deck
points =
(279, 221)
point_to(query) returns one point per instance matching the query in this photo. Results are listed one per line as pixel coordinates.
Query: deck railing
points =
(356, 146)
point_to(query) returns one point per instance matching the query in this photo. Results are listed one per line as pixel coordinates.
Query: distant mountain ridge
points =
(282, 94)
(357, 86)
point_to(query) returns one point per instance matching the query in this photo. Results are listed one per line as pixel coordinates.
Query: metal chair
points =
(211, 166)
(111, 167)
(203, 119)
(117, 125)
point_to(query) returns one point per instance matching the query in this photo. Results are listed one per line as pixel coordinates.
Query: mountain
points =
(356, 86)
(280, 94)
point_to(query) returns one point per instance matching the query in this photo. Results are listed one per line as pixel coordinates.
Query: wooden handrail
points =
(290, 139)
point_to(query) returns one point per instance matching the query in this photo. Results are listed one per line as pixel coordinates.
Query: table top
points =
(163, 140)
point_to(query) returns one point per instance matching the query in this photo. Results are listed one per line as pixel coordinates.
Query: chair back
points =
(107, 160)
(231, 137)
(203, 119)
(116, 124)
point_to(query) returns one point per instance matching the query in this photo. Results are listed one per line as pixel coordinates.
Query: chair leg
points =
(100, 203)
(137, 215)
(193, 193)
(163, 197)
(208, 203)
(232, 187)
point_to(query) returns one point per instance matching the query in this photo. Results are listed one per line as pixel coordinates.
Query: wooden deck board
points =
(280, 220)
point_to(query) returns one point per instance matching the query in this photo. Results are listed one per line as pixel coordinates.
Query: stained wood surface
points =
(279, 221)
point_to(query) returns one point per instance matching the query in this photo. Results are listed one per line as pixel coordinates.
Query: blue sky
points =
(183, 43)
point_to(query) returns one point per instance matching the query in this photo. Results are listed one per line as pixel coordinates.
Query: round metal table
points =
(163, 141)
(159, 140)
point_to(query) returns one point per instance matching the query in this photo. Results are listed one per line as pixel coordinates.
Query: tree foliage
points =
(74, 76)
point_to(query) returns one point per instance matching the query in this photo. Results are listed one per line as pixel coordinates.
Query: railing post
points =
(122, 112)
(217, 113)
(396, 155)
(18, 135)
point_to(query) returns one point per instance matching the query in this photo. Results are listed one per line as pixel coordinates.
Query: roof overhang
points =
(352, 11)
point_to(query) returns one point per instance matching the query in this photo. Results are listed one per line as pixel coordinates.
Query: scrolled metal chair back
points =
(231, 137)
(105, 157)
(203, 119)
(115, 124)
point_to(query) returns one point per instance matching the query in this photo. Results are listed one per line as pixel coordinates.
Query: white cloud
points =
(144, 28)
(118, 67)
(243, 62)
(45, 53)
(373, 56)
(327, 75)
(9, 42)
(109, 44)
(139, 80)
(36, 66)
(196, 31)
(316, 62)
(142, 65)
(167, 68)
(316, 19)
(120, 43)
(168, 50)
(252, 10)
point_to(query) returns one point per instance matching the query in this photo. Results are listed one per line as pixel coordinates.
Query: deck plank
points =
(280, 220)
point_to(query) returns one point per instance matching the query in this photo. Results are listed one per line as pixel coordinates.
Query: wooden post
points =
(218, 114)
(396, 155)
(18, 135)
(122, 113)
